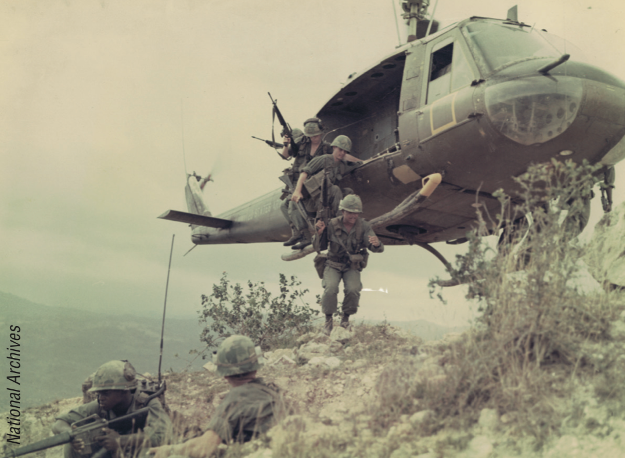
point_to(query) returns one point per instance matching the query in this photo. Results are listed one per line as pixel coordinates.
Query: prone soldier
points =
(117, 392)
(249, 409)
(347, 238)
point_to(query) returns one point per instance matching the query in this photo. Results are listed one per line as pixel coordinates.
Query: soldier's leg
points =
(353, 286)
(301, 224)
(296, 234)
(331, 279)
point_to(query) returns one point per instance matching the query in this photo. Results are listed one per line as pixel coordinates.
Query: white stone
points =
(479, 447)
(316, 361)
(421, 417)
(489, 419)
(332, 362)
(210, 367)
(340, 334)
(283, 361)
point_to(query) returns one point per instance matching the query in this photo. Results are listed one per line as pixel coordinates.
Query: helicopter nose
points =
(534, 109)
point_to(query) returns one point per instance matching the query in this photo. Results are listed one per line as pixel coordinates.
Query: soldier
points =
(349, 237)
(312, 146)
(336, 167)
(115, 384)
(249, 409)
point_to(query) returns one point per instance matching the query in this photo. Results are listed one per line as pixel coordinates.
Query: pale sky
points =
(96, 96)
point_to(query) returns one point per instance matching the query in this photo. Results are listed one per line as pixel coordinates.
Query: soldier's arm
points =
(286, 151)
(198, 447)
(372, 242)
(297, 194)
(158, 428)
(350, 158)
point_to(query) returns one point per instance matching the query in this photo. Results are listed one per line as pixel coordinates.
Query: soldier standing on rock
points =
(115, 384)
(348, 237)
(248, 410)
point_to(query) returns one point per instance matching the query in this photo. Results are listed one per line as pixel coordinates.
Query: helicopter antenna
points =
(396, 23)
(160, 359)
(184, 156)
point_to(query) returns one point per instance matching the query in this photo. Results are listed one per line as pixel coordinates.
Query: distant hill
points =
(60, 347)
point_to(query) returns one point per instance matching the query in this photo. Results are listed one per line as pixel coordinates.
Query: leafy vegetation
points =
(271, 322)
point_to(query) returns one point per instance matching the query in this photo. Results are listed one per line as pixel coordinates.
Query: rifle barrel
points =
(58, 439)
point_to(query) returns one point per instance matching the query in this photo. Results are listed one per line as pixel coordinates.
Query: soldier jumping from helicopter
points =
(311, 145)
(347, 238)
(336, 167)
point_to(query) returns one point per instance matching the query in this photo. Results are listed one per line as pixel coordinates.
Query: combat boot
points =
(304, 243)
(296, 236)
(327, 328)
(345, 321)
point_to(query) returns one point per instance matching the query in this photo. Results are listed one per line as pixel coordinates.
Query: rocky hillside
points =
(377, 392)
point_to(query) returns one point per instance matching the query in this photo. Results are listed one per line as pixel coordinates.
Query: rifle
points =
(286, 129)
(270, 143)
(289, 184)
(325, 212)
(87, 429)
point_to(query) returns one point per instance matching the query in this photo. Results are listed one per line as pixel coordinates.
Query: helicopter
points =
(475, 103)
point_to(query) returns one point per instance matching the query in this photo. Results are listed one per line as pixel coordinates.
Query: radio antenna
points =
(160, 359)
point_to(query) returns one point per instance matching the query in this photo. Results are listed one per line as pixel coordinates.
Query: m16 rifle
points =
(270, 143)
(286, 129)
(88, 430)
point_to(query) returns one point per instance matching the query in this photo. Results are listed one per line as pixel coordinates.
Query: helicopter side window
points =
(440, 73)
(449, 72)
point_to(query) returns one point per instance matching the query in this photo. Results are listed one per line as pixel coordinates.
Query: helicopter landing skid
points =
(299, 254)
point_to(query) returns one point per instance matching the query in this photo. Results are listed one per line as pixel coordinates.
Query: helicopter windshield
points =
(501, 45)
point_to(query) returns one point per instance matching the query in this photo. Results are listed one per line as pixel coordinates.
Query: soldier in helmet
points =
(348, 237)
(336, 166)
(115, 384)
(311, 145)
(249, 409)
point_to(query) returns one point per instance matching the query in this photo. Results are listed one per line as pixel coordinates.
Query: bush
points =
(536, 323)
(271, 322)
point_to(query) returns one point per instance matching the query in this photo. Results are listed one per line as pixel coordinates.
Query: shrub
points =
(270, 322)
(535, 324)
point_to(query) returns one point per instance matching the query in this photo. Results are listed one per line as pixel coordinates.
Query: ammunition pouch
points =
(313, 185)
(359, 261)
(320, 263)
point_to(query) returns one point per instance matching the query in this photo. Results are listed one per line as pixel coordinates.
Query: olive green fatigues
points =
(338, 265)
(247, 411)
(336, 170)
(156, 426)
(302, 158)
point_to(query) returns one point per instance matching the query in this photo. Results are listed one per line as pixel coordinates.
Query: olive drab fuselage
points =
(478, 102)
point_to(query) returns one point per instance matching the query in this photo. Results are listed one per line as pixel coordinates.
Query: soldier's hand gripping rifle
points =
(289, 184)
(322, 243)
(88, 430)
(286, 129)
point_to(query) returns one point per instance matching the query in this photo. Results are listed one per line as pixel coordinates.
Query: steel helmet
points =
(351, 203)
(312, 127)
(115, 375)
(236, 355)
(298, 135)
(343, 142)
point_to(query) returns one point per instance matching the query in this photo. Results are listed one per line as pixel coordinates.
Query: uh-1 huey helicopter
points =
(476, 102)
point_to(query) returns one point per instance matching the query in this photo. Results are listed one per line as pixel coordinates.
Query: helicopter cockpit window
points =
(501, 45)
(449, 72)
